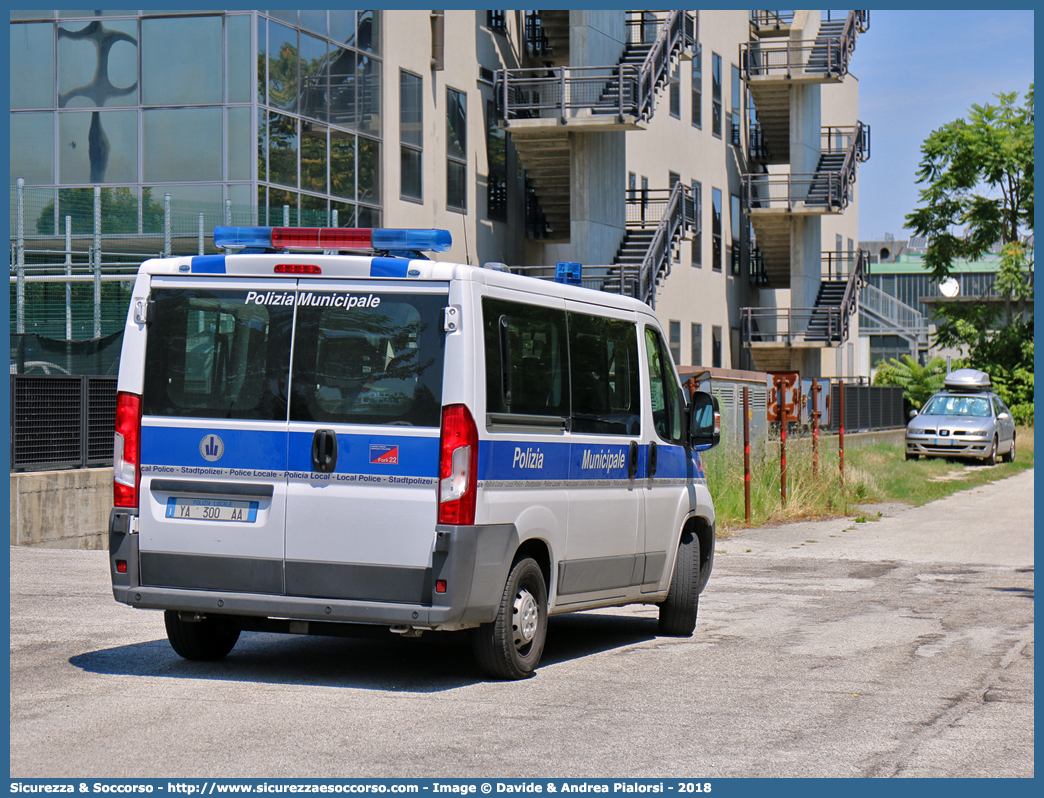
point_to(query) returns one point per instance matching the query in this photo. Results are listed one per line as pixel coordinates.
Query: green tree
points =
(918, 382)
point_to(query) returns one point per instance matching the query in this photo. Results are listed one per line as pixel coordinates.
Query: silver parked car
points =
(963, 420)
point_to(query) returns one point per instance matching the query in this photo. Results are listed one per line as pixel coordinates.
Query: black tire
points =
(1010, 456)
(678, 612)
(207, 640)
(991, 458)
(912, 456)
(511, 646)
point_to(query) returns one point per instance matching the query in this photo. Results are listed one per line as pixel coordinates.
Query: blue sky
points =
(917, 71)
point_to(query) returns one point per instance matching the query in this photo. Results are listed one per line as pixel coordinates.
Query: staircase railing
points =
(789, 326)
(763, 190)
(761, 58)
(769, 20)
(624, 88)
(657, 261)
(892, 314)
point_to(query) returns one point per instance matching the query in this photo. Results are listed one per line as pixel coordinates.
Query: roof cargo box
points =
(967, 380)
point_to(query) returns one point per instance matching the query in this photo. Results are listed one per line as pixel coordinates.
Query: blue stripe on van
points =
(528, 461)
(208, 264)
(373, 453)
(389, 267)
(247, 449)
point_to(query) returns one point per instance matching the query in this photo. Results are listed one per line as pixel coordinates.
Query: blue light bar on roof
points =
(332, 238)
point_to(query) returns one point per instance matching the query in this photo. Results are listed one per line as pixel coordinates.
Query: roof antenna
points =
(466, 254)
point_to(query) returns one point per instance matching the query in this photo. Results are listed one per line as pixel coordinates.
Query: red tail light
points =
(126, 465)
(458, 466)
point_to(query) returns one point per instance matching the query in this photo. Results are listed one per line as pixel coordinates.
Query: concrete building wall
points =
(66, 509)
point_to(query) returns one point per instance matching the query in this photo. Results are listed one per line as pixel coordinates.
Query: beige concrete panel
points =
(66, 509)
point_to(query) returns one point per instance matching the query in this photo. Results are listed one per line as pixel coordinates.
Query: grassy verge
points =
(873, 473)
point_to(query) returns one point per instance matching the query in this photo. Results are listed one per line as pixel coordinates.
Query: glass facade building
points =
(262, 109)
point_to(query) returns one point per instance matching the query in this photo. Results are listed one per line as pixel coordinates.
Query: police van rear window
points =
(378, 362)
(227, 354)
(212, 354)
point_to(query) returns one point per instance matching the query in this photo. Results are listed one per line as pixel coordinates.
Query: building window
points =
(735, 221)
(697, 236)
(456, 150)
(676, 92)
(716, 94)
(697, 88)
(734, 123)
(716, 347)
(672, 178)
(675, 331)
(497, 21)
(411, 134)
(632, 187)
(496, 159)
(697, 344)
(716, 229)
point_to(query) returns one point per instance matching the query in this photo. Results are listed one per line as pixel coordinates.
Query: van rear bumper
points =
(472, 560)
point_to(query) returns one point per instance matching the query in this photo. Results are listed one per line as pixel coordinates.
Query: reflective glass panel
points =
(342, 164)
(289, 17)
(342, 87)
(32, 148)
(369, 35)
(282, 67)
(240, 123)
(33, 14)
(282, 149)
(238, 64)
(32, 66)
(314, 21)
(368, 217)
(345, 214)
(241, 195)
(98, 147)
(369, 98)
(262, 61)
(313, 211)
(168, 77)
(342, 26)
(410, 109)
(182, 144)
(313, 157)
(315, 84)
(456, 124)
(369, 170)
(262, 145)
(187, 199)
(410, 171)
(97, 64)
(95, 13)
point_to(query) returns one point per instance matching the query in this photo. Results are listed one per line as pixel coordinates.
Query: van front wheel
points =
(678, 611)
(208, 639)
(510, 647)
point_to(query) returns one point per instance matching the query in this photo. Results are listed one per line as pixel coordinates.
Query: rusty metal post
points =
(746, 453)
(815, 428)
(782, 385)
(841, 431)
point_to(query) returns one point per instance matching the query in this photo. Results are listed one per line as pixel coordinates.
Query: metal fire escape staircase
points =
(540, 106)
(883, 314)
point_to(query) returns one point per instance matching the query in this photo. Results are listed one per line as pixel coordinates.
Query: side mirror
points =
(913, 413)
(1004, 416)
(704, 421)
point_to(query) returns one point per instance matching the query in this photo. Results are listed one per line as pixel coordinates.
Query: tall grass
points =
(873, 473)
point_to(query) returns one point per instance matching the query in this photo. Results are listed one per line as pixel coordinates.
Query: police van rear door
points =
(365, 408)
(214, 433)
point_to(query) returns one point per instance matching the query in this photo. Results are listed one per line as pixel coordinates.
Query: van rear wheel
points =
(208, 639)
(678, 612)
(510, 647)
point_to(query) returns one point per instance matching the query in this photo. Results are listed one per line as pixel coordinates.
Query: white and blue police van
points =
(315, 442)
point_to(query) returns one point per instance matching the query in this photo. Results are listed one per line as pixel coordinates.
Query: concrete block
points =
(66, 509)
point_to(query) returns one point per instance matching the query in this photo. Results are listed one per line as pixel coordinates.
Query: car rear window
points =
(211, 354)
(375, 363)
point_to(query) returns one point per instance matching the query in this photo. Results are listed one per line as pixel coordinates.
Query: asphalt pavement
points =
(901, 646)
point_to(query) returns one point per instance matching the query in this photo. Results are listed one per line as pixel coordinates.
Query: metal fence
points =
(61, 422)
(867, 407)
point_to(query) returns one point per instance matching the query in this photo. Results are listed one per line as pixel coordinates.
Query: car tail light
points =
(126, 465)
(458, 466)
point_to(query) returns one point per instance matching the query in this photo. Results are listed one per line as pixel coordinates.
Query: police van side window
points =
(210, 354)
(375, 363)
(525, 347)
(666, 399)
(603, 373)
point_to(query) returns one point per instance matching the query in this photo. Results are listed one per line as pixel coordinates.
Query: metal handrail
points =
(790, 325)
(763, 190)
(764, 58)
(623, 88)
(897, 313)
(657, 263)
(776, 19)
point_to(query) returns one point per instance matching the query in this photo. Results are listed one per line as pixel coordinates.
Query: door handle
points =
(652, 459)
(324, 451)
(632, 463)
